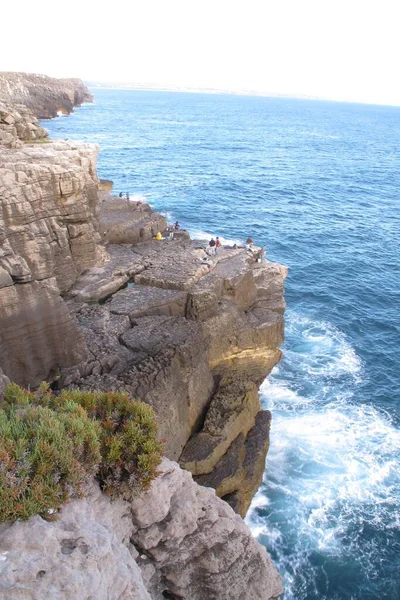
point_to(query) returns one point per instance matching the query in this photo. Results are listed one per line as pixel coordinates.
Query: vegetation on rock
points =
(51, 445)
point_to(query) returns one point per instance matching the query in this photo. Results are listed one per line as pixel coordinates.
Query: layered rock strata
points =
(194, 343)
(44, 96)
(125, 221)
(48, 236)
(191, 335)
(178, 540)
(19, 125)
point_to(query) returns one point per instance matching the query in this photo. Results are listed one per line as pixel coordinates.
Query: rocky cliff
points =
(44, 96)
(88, 299)
(176, 541)
(194, 343)
(48, 236)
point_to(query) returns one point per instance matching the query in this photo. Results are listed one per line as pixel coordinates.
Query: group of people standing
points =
(214, 245)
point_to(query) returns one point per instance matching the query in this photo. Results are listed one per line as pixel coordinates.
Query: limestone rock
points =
(85, 554)
(185, 328)
(18, 125)
(98, 283)
(37, 334)
(128, 221)
(48, 236)
(139, 301)
(48, 211)
(161, 360)
(44, 96)
(238, 475)
(5, 278)
(198, 547)
(176, 540)
(105, 185)
(232, 411)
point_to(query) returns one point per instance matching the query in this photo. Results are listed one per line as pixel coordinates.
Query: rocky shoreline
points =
(89, 299)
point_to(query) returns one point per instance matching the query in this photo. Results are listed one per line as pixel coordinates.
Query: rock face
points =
(176, 541)
(191, 335)
(195, 344)
(129, 222)
(44, 96)
(37, 334)
(18, 125)
(48, 236)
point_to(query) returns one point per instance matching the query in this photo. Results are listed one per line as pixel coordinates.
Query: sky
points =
(335, 49)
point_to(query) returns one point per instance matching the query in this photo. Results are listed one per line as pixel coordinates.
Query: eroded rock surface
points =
(48, 236)
(177, 540)
(44, 96)
(18, 125)
(193, 342)
(125, 221)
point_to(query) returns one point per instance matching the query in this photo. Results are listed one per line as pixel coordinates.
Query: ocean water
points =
(319, 184)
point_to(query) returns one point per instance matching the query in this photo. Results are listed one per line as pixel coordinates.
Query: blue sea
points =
(319, 184)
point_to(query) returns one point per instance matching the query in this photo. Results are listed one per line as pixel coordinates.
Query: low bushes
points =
(51, 446)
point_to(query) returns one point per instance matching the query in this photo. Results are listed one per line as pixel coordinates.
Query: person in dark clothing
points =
(211, 245)
(120, 194)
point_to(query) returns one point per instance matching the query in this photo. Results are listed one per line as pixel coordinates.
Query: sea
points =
(319, 183)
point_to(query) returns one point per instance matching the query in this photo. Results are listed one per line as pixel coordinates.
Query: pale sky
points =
(336, 49)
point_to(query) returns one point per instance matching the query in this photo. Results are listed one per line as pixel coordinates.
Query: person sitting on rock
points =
(176, 225)
(217, 244)
(211, 245)
(120, 194)
(208, 262)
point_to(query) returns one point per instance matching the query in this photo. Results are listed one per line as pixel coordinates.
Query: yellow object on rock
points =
(158, 236)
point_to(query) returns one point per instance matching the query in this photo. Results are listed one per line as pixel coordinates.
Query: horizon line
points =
(156, 87)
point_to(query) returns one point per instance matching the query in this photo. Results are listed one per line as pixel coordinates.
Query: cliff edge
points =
(178, 540)
(44, 96)
(89, 299)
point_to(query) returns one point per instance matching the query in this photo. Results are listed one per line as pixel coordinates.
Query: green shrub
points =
(129, 447)
(45, 458)
(50, 446)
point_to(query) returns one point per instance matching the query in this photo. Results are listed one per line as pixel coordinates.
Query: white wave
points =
(196, 234)
(138, 198)
(168, 215)
(322, 348)
(333, 462)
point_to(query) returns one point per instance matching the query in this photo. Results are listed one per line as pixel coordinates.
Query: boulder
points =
(192, 545)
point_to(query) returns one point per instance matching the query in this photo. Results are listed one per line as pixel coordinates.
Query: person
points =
(158, 236)
(211, 245)
(208, 262)
(176, 225)
(217, 244)
(120, 194)
(262, 253)
(249, 241)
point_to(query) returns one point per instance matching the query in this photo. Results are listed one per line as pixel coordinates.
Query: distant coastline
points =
(155, 87)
